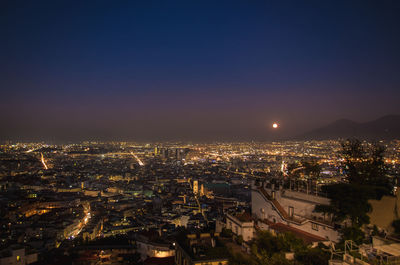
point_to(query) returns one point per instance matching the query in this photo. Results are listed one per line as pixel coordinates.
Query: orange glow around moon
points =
(275, 125)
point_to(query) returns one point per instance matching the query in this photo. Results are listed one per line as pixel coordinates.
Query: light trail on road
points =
(137, 158)
(43, 161)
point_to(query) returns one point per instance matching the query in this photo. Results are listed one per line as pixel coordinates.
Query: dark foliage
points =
(396, 226)
(364, 164)
(312, 256)
(350, 200)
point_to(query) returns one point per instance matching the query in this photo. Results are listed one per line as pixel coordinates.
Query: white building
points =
(381, 251)
(149, 245)
(241, 225)
(151, 249)
(287, 210)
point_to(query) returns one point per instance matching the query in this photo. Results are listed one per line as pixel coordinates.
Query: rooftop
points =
(305, 236)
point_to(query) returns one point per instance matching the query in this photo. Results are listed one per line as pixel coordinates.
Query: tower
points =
(195, 186)
(156, 151)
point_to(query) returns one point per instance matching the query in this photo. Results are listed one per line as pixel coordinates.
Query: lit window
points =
(18, 258)
(314, 226)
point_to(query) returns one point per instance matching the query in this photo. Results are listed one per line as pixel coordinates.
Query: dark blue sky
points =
(151, 70)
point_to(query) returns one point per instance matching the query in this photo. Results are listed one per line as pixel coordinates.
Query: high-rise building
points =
(195, 186)
(202, 190)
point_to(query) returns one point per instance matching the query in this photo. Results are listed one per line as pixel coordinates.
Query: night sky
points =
(194, 70)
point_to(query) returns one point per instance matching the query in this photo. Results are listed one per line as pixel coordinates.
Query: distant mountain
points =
(384, 128)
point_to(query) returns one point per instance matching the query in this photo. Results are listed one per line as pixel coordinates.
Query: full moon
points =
(275, 125)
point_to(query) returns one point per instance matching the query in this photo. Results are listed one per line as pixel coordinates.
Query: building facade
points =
(240, 226)
(289, 210)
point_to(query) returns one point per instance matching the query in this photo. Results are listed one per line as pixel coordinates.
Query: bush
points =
(353, 233)
(312, 256)
(239, 259)
(226, 232)
(239, 240)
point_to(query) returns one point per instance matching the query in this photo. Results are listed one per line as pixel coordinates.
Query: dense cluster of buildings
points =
(81, 198)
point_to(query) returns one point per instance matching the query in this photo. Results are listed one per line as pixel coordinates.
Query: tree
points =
(278, 259)
(312, 256)
(238, 259)
(226, 232)
(353, 154)
(353, 233)
(293, 169)
(270, 249)
(377, 169)
(366, 174)
(311, 169)
(348, 201)
(364, 164)
(239, 239)
(267, 244)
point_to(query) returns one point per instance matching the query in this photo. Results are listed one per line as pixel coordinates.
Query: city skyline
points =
(199, 132)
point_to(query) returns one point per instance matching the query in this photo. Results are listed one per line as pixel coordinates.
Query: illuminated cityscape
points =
(63, 196)
(199, 132)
